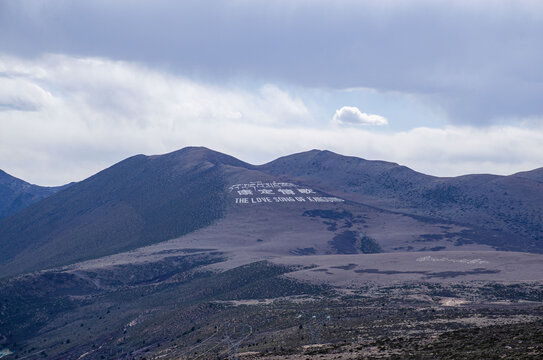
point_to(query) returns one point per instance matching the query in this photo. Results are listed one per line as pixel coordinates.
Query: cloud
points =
(88, 113)
(62, 110)
(21, 95)
(479, 61)
(350, 115)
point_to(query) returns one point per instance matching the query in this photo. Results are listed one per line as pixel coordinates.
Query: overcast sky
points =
(444, 87)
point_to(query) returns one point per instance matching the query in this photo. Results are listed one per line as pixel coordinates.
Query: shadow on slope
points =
(139, 201)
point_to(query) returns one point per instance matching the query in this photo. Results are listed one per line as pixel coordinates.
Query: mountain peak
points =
(196, 155)
(318, 160)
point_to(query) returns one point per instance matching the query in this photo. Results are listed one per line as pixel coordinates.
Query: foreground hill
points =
(189, 305)
(16, 194)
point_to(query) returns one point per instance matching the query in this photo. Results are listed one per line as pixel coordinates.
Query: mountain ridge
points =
(17, 194)
(144, 200)
(506, 203)
(130, 204)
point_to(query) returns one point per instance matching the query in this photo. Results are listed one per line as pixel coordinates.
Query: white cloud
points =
(64, 118)
(21, 94)
(350, 115)
(89, 113)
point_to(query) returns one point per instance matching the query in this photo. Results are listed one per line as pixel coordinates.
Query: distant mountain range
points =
(146, 200)
(16, 194)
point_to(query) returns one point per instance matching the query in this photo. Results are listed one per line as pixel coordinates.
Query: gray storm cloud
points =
(479, 61)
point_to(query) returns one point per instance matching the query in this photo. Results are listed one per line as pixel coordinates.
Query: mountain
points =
(195, 254)
(16, 194)
(321, 203)
(509, 204)
(139, 201)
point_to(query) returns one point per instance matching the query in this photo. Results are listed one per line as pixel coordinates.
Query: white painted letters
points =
(246, 191)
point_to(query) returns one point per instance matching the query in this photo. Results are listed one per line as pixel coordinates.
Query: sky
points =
(444, 87)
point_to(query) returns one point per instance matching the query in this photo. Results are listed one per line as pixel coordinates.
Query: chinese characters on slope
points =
(276, 192)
